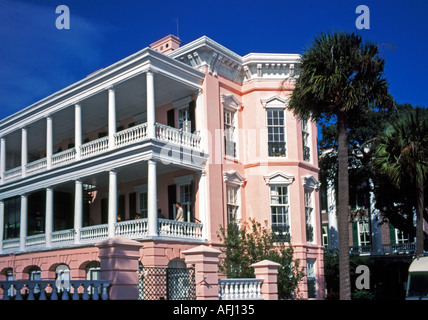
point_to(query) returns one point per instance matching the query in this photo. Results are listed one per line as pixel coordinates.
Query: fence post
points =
(268, 272)
(119, 263)
(205, 261)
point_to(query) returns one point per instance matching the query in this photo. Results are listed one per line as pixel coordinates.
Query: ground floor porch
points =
(137, 201)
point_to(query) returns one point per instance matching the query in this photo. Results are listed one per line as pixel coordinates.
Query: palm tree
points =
(401, 154)
(341, 76)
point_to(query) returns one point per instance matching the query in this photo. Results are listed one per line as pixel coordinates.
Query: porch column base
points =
(119, 263)
(268, 272)
(205, 261)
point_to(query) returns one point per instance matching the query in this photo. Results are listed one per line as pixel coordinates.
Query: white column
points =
(203, 208)
(2, 158)
(150, 92)
(24, 151)
(49, 216)
(23, 222)
(77, 129)
(112, 203)
(49, 142)
(1, 225)
(78, 209)
(111, 117)
(152, 205)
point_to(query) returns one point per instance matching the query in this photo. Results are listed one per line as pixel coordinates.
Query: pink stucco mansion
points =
(112, 154)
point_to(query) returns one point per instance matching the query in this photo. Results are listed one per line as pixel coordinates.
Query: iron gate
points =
(166, 283)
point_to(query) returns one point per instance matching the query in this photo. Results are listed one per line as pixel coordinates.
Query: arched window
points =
(93, 271)
(62, 273)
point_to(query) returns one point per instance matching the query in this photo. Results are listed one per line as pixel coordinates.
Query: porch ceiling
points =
(130, 101)
(126, 174)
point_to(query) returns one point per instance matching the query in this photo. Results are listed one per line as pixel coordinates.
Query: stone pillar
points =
(119, 263)
(268, 272)
(112, 203)
(49, 216)
(205, 261)
(78, 209)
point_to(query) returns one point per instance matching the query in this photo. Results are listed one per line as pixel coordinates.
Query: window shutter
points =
(170, 118)
(172, 199)
(192, 108)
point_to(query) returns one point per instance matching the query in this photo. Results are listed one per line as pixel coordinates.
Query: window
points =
(232, 204)
(311, 278)
(401, 236)
(183, 119)
(142, 205)
(12, 216)
(186, 201)
(229, 133)
(62, 277)
(325, 235)
(279, 212)
(306, 141)
(93, 272)
(309, 216)
(276, 133)
(35, 274)
(363, 232)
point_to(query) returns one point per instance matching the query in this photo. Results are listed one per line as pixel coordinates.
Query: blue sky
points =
(37, 59)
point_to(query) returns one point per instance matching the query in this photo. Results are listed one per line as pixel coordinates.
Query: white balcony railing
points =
(64, 157)
(180, 229)
(94, 147)
(93, 234)
(131, 229)
(240, 289)
(122, 138)
(177, 136)
(131, 135)
(36, 166)
(14, 173)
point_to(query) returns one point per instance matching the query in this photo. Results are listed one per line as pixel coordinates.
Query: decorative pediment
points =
(229, 100)
(310, 182)
(279, 178)
(275, 102)
(233, 177)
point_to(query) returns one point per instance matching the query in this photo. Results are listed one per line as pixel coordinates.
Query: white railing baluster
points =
(240, 289)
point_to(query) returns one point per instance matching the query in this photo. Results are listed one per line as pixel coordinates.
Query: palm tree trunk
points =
(419, 219)
(343, 207)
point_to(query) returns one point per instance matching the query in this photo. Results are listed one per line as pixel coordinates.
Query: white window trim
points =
(309, 132)
(182, 181)
(140, 190)
(231, 103)
(312, 217)
(359, 223)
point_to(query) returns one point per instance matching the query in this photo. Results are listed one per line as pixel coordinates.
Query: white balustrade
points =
(131, 135)
(180, 229)
(36, 166)
(63, 237)
(64, 157)
(13, 173)
(93, 234)
(240, 289)
(35, 240)
(94, 147)
(133, 229)
(48, 290)
(177, 136)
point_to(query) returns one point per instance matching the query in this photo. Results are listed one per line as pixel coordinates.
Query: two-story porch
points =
(78, 166)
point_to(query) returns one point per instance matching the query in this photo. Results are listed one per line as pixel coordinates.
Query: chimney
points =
(167, 44)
